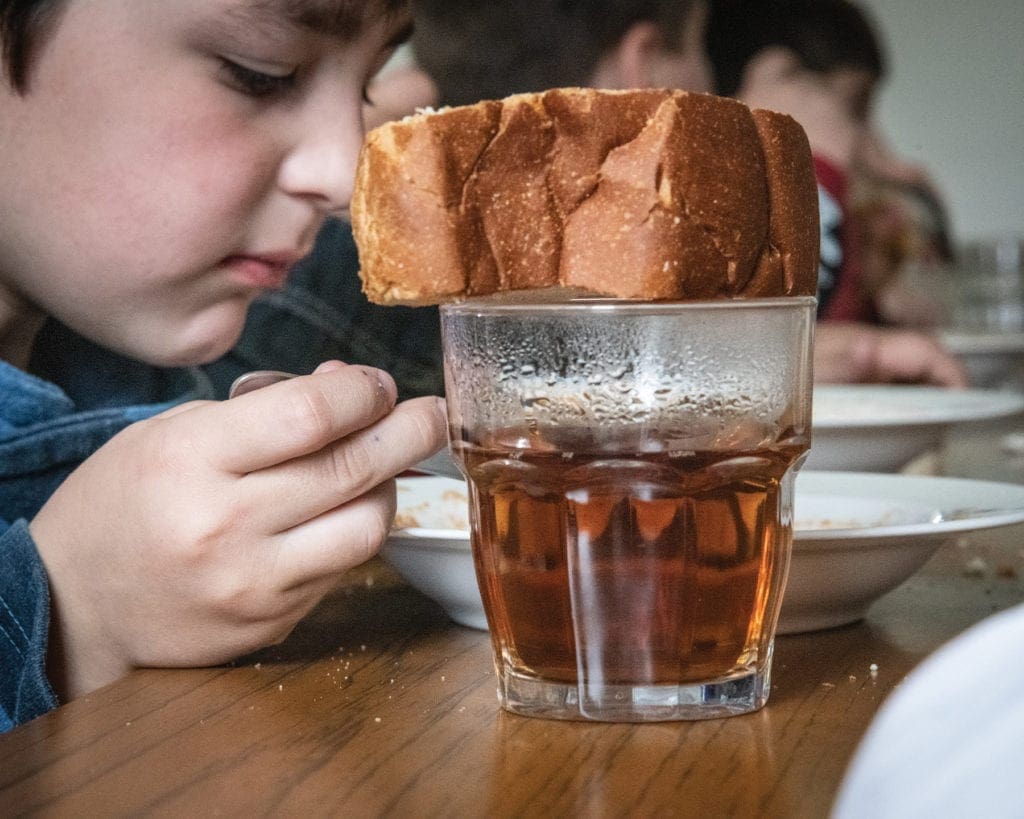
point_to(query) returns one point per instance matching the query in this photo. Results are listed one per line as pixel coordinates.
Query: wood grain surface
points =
(378, 705)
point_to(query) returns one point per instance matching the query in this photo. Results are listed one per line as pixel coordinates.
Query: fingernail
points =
(329, 366)
(385, 383)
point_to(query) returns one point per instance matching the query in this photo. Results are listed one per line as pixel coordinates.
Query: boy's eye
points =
(255, 83)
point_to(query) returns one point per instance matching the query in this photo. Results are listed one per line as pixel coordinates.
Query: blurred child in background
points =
(821, 61)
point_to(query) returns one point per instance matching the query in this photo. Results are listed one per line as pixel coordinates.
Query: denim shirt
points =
(77, 397)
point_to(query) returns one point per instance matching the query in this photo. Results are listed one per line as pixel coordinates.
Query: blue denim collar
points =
(77, 398)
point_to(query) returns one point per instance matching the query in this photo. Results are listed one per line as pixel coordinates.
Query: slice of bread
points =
(636, 194)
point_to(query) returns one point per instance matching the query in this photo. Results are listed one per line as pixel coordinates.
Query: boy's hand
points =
(212, 529)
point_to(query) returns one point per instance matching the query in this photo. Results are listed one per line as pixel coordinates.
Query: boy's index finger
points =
(293, 418)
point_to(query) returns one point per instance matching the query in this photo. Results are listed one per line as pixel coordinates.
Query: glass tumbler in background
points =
(989, 286)
(630, 469)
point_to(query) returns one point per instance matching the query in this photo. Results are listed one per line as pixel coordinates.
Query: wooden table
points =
(378, 705)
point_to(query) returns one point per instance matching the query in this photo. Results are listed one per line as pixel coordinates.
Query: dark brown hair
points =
(23, 23)
(825, 35)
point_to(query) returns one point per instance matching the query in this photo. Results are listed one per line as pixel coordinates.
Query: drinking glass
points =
(989, 286)
(630, 469)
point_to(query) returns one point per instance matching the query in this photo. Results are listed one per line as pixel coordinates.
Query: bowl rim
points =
(980, 505)
(944, 406)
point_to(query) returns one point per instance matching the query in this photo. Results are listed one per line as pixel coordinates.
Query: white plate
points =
(856, 537)
(964, 343)
(860, 535)
(832, 507)
(880, 428)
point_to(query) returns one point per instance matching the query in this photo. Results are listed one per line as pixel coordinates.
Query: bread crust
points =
(649, 194)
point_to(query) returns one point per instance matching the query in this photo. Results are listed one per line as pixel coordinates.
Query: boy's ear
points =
(630, 63)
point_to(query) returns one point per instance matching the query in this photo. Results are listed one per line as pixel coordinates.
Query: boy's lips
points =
(265, 271)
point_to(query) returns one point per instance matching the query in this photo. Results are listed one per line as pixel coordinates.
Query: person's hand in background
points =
(860, 353)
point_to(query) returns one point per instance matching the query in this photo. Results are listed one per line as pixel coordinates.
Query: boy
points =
(163, 163)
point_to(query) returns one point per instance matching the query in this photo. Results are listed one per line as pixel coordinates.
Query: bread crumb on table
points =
(976, 567)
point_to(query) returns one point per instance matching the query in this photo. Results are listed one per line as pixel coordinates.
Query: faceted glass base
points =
(728, 697)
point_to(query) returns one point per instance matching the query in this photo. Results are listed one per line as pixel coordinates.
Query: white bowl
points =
(856, 537)
(992, 359)
(881, 428)
(440, 564)
(430, 546)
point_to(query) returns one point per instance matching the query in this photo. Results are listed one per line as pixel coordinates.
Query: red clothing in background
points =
(840, 292)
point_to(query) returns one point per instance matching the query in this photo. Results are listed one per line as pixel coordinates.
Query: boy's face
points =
(172, 158)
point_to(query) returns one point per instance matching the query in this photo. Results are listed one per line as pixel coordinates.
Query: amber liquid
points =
(638, 569)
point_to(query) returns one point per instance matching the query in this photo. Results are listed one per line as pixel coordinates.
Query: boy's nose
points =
(321, 165)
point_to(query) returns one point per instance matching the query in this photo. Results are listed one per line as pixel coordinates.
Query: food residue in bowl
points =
(825, 524)
(449, 510)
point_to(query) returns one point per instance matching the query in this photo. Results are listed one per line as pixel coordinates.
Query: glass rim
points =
(491, 306)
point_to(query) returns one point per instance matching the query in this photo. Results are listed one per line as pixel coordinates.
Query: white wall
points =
(954, 100)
